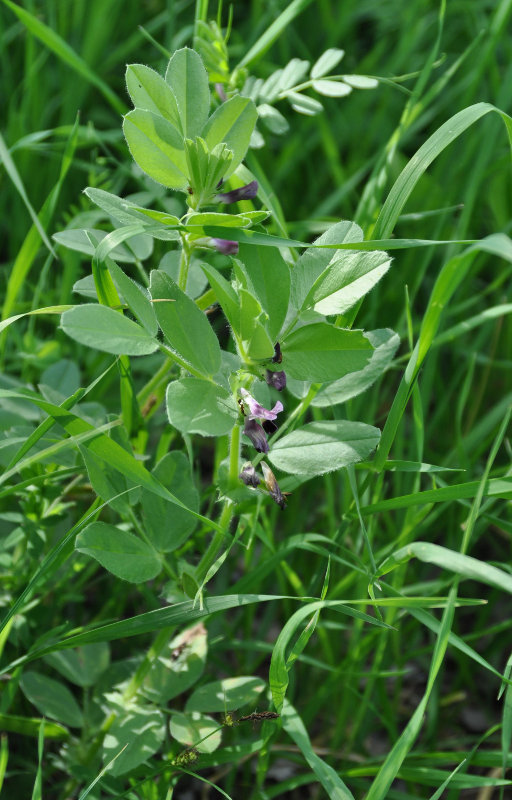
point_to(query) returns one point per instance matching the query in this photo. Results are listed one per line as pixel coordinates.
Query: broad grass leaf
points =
(327, 776)
(322, 352)
(190, 727)
(233, 123)
(168, 526)
(141, 730)
(51, 698)
(184, 326)
(148, 90)
(229, 694)
(197, 406)
(326, 63)
(107, 330)
(122, 553)
(461, 564)
(157, 147)
(188, 80)
(136, 299)
(321, 447)
(82, 666)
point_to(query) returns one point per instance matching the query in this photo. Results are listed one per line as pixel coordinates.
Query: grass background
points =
(355, 687)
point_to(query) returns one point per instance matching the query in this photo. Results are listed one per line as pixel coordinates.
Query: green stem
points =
(227, 511)
(184, 265)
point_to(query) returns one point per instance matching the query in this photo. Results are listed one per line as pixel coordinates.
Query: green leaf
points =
(233, 123)
(332, 88)
(269, 275)
(122, 553)
(197, 406)
(148, 90)
(107, 482)
(85, 240)
(323, 352)
(82, 666)
(304, 104)
(321, 447)
(327, 61)
(190, 728)
(216, 218)
(168, 526)
(225, 295)
(51, 698)
(422, 159)
(107, 330)
(346, 280)
(385, 343)
(179, 667)
(229, 694)
(273, 120)
(361, 81)
(136, 299)
(188, 80)
(141, 730)
(330, 780)
(256, 340)
(157, 147)
(459, 563)
(184, 326)
(315, 262)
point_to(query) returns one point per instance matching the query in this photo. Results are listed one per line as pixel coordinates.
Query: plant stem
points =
(227, 511)
(184, 265)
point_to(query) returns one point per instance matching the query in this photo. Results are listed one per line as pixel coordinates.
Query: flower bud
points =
(276, 379)
(247, 192)
(256, 434)
(273, 486)
(248, 475)
(225, 246)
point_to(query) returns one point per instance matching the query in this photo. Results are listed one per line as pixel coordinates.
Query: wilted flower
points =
(226, 246)
(257, 411)
(247, 192)
(248, 475)
(273, 486)
(256, 434)
(276, 379)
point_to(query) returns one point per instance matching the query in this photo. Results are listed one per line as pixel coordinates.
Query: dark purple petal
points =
(256, 434)
(226, 246)
(273, 486)
(276, 379)
(269, 427)
(277, 354)
(247, 192)
(256, 410)
(248, 475)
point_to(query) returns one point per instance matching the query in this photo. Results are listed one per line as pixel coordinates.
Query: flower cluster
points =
(260, 421)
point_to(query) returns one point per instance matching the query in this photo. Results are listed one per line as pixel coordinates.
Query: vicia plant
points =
(249, 335)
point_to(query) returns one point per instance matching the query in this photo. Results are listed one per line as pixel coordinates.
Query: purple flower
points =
(276, 379)
(226, 246)
(247, 192)
(256, 410)
(256, 434)
(248, 475)
(273, 486)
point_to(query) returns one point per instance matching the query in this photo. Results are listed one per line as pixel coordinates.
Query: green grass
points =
(386, 679)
